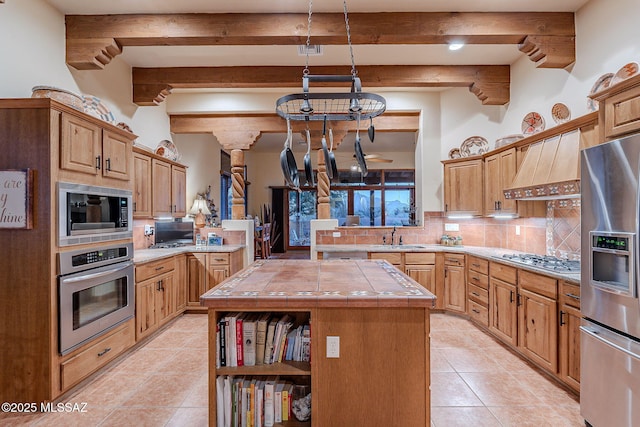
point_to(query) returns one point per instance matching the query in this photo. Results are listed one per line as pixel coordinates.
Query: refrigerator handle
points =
(595, 334)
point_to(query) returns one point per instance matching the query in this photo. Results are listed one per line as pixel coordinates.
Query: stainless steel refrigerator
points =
(610, 331)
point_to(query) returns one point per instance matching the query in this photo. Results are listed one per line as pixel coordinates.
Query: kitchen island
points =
(380, 317)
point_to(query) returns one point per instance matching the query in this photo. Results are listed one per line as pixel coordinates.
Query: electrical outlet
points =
(333, 347)
(148, 230)
(452, 227)
(517, 230)
(336, 234)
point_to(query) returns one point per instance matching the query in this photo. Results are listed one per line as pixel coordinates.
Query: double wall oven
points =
(610, 332)
(96, 288)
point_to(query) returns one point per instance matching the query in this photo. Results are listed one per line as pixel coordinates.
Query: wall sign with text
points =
(16, 198)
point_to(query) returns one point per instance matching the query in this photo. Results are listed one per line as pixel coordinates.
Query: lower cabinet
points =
(157, 290)
(206, 270)
(503, 309)
(455, 283)
(569, 340)
(422, 267)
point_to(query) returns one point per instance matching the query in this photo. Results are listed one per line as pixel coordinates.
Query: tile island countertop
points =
(306, 283)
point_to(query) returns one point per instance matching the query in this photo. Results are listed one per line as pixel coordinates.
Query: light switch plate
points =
(333, 347)
(336, 234)
(452, 227)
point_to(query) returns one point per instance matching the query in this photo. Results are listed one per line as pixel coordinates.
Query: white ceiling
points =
(167, 56)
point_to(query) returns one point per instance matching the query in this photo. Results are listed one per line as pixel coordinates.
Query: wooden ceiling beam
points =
(240, 131)
(152, 85)
(291, 29)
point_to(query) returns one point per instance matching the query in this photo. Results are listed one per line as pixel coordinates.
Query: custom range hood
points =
(550, 170)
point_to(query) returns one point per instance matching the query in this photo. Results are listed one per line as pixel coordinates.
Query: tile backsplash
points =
(556, 234)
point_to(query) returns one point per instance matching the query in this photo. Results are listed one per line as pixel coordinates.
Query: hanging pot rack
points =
(332, 106)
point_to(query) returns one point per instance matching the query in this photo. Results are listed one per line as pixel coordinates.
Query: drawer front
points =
(394, 258)
(479, 295)
(503, 272)
(478, 279)
(478, 313)
(218, 258)
(542, 285)
(99, 354)
(478, 264)
(150, 269)
(419, 258)
(454, 259)
(570, 294)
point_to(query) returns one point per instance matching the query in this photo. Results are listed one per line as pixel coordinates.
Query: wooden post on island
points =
(324, 186)
(237, 182)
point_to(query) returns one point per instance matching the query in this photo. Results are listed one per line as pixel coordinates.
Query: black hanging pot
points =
(332, 160)
(308, 168)
(325, 150)
(288, 162)
(360, 157)
(371, 131)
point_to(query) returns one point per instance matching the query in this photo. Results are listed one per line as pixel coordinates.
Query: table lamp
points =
(199, 209)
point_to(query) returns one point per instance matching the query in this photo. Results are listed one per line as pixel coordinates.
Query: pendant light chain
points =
(305, 72)
(354, 73)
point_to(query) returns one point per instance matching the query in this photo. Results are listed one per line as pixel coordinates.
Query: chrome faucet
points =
(393, 233)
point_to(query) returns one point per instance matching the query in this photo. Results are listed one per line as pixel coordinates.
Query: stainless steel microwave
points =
(89, 214)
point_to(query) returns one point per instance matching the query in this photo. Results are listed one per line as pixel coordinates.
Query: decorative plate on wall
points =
(603, 82)
(454, 153)
(532, 123)
(626, 71)
(506, 140)
(560, 113)
(168, 150)
(94, 106)
(474, 146)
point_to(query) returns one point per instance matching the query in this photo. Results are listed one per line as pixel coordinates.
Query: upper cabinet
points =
(499, 171)
(619, 111)
(159, 186)
(92, 149)
(463, 187)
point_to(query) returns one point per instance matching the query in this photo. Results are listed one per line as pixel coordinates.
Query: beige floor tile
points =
(463, 360)
(163, 390)
(530, 416)
(170, 338)
(92, 417)
(448, 389)
(111, 389)
(477, 416)
(147, 360)
(190, 417)
(546, 389)
(139, 417)
(198, 396)
(188, 360)
(499, 389)
(439, 362)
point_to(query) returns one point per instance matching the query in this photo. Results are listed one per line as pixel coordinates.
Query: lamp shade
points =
(200, 206)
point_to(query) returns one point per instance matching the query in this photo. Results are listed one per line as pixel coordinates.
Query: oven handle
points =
(596, 334)
(97, 275)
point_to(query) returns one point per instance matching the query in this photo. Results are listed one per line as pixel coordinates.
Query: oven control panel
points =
(84, 259)
(98, 256)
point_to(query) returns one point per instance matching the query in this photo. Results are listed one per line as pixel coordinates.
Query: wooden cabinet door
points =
(196, 278)
(141, 186)
(463, 187)
(537, 329)
(455, 292)
(166, 297)
(499, 171)
(80, 145)
(116, 151)
(216, 273)
(178, 190)
(569, 346)
(161, 203)
(146, 318)
(181, 283)
(425, 275)
(503, 313)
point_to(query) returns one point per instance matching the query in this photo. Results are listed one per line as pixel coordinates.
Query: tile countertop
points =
(145, 255)
(492, 254)
(327, 284)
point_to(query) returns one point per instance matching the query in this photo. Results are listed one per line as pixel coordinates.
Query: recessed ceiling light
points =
(455, 46)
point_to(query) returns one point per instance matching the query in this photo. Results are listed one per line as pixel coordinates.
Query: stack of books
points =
(249, 339)
(252, 402)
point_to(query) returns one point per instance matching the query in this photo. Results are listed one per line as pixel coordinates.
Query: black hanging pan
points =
(308, 168)
(288, 162)
(332, 159)
(359, 155)
(371, 131)
(327, 157)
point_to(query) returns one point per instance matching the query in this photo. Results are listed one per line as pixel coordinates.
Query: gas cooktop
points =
(167, 245)
(545, 262)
